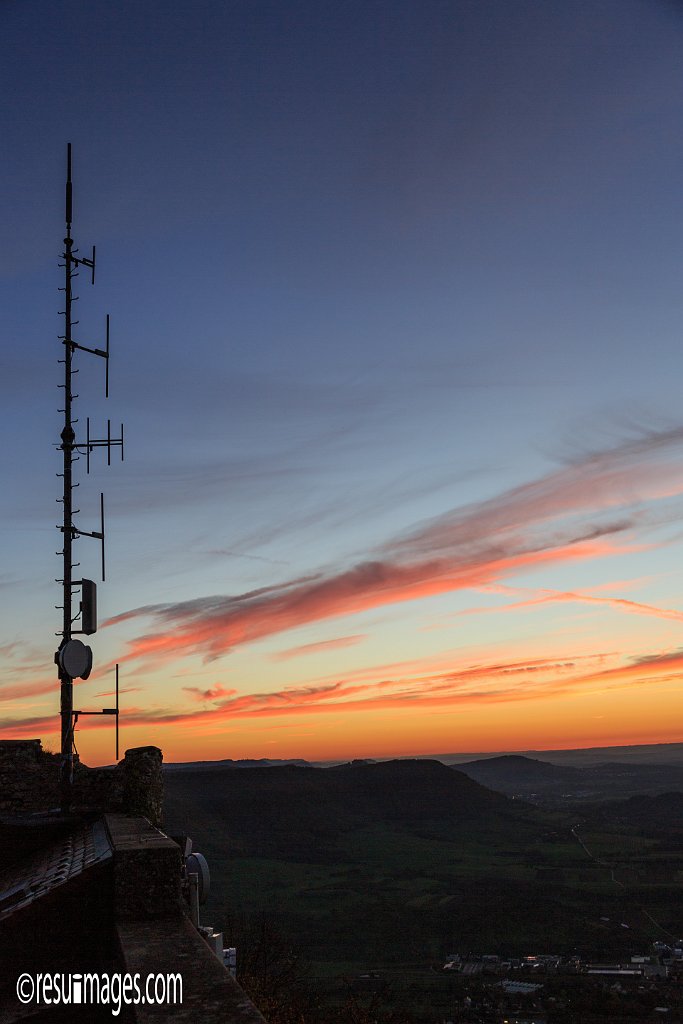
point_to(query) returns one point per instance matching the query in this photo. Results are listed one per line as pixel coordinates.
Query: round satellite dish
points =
(75, 659)
(196, 864)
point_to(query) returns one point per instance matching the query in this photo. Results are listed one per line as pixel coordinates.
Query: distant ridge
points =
(545, 782)
(519, 770)
(644, 753)
(260, 762)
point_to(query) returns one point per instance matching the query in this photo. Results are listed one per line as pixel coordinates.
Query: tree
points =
(271, 971)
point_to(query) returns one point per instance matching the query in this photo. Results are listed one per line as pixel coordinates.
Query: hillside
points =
(396, 861)
(392, 854)
(510, 773)
(661, 814)
(302, 812)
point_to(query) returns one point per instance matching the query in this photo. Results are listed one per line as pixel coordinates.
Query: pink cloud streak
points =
(321, 645)
(556, 519)
(567, 596)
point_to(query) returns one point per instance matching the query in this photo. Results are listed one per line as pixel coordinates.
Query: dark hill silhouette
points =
(510, 771)
(407, 790)
(299, 809)
(664, 811)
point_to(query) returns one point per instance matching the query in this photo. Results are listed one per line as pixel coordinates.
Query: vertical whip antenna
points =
(74, 658)
(69, 216)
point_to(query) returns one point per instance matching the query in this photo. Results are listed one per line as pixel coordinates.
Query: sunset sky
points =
(396, 293)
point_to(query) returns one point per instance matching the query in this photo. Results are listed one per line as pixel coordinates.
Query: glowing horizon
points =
(509, 701)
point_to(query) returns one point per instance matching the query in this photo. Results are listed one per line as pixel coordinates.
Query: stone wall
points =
(29, 782)
(143, 787)
(26, 750)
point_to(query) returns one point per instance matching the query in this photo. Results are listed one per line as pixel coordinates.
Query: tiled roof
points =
(45, 871)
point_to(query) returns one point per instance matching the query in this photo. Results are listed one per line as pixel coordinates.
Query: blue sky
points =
(368, 265)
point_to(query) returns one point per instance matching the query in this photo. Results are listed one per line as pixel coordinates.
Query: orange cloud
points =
(473, 685)
(555, 519)
(19, 691)
(650, 668)
(212, 694)
(214, 626)
(465, 686)
(496, 682)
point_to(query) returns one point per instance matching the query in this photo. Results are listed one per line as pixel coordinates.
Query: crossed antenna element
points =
(74, 658)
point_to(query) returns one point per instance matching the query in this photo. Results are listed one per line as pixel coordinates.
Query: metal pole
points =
(68, 438)
(117, 711)
(77, 654)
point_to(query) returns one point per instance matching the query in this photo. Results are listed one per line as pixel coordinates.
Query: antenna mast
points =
(73, 658)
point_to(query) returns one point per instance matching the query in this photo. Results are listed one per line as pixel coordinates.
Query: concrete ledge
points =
(172, 946)
(147, 867)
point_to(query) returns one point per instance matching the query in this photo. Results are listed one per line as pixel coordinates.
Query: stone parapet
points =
(209, 992)
(147, 870)
(29, 782)
(143, 788)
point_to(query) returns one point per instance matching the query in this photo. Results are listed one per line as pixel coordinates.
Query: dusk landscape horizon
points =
(395, 317)
(376, 717)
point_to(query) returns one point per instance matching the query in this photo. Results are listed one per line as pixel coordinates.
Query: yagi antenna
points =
(74, 658)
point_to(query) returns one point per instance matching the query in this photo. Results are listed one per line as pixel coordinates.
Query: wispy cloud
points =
(545, 596)
(213, 693)
(577, 512)
(321, 645)
(125, 689)
(29, 689)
